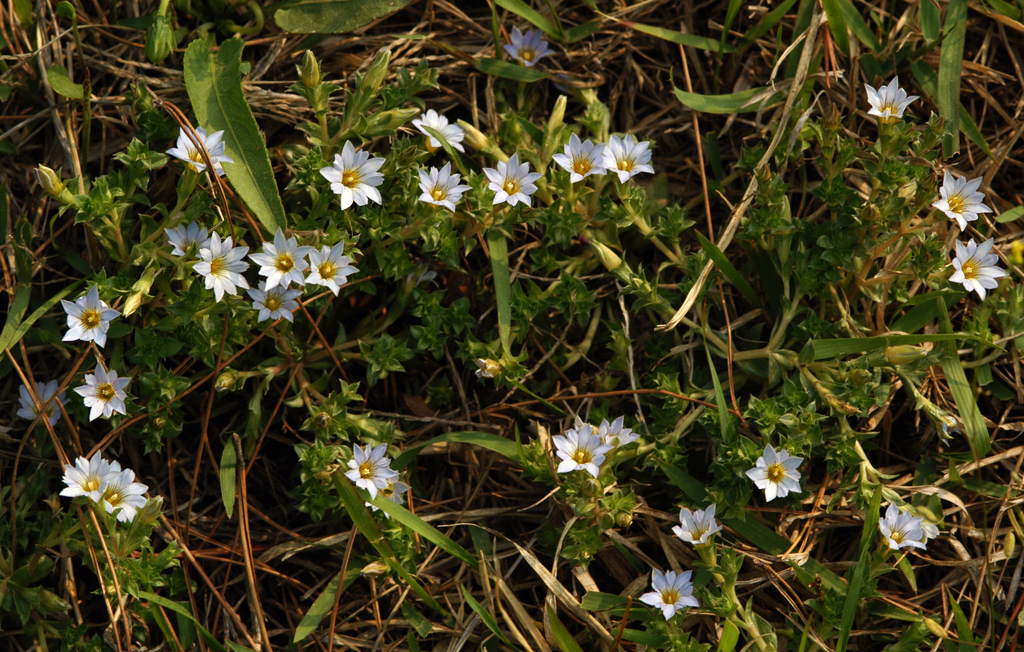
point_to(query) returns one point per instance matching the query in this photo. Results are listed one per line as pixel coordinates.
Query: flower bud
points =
(1009, 544)
(309, 71)
(151, 511)
(378, 69)
(398, 117)
(908, 190)
(608, 258)
(49, 180)
(226, 380)
(488, 368)
(322, 420)
(870, 213)
(904, 354)
(159, 39)
(1017, 252)
(624, 520)
(557, 114)
(935, 628)
(374, 568)
(140, 290)
(476, 138)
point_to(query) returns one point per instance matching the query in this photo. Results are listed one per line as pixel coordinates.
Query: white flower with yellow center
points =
(580, 449)
(672, 592)
(976, 267)
(776, 473)
(371, 470)
(354, 177)
(222, 266)
(487, 368)
(27, 409)
(901, 529)
(527, 49)
(888, 102)
(581, 159)
(392, 492)
(961, 200)
(88, 477)
(512, 182)
(103, 392)
(282, 261)
(697, 527)
(124, 495)
(187, 151)
(88, 318)
(626, 158)
(615, 434)
(436, 121)
(277, 302)
(441, 187)
(182, 238)
(330, 268)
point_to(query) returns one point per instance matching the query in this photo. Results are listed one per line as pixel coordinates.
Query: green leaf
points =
(689, 40)
(963, 395)
(495, 443)
(581, 31)
(452, 153)
(860, 572)
(724, 422)
(13, 333)
(333, 16)
(908, 573)
(769, 21)
(178, 609)
(323, 605)
(963, 626)
(424, 529)
(485, 616)
(527, 12)
(930, 20)
(726, 267)
(60, 82)
(418, 621)
(498, 246)
(950, 65)
(1010, 215)
(929, 83)
(837, 24)
(597, 601)
(507, 70)
(228, 462)
(214, 84)
(730, 637)
(743, 101)
(565, 641)
(826, 349)
(858, 26)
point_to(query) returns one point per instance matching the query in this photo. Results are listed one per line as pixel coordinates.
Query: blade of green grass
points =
(228, 462)
(14, 331)
(726, 267)
(859, 572)
(837, 24)
(324, 604)
(950, 64)
(527, 12)
(507, 70)
(858, 26)
(688, 40)
(332, 16)
(565, 641)
(930, 19)
(452, 153)
(825, 349)
(485, 616)
(963, 626)
(743, 101)
(1011, 215)
(424, 529)
(963, 395)
(495, 443)
(929, 83)
(498, 246)
(178, 609)
(730, 16)
(770, 20)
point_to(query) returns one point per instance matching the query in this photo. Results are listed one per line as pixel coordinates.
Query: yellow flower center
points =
(92, 484)
(582, 456)
(511, 186)
(272, 302)
(366, 470)
(216, 266)
(776, 472)
(697, 533)
(957, 204)
(106, 392)
(625, 164)
(897, 536)
(114, 498)
(527, 54)
(669, 596)
(439, 193)
(285, 262)
(349, 178)
(581, 165)
(90, 318)
(430, 147)
(970, 269)
(327, 270)
(197, 156)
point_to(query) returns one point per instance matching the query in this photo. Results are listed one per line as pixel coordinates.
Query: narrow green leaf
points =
(228, 462)
(837, 24)
(908, 573)
(730, 637)
(527, 12)
(13, 333)
(741, 102)
(825, 349)
(724, 422)
(581, 31)
(178, 609)
(950, 65)
(730, 16)
(323, 605)
(214, 84)
(858, 26)
(485, 616)
(770, 20)
(418, 621)
(238, 647)
(1005, 8)
(60, 82)
(688, 40)
(930, 17)
(333, 16)
(963, 626)
(929, 82)
(923, 311)
(963, 395)
(452, 153)
(565, 641)
(726, 267)
(597, 601)
(15, 311)
(1011, 215)
(495, 443)
(498, 246)
(859, 573)
(507, 70)
(424, 529)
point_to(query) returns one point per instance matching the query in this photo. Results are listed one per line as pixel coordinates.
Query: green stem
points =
(498, 246)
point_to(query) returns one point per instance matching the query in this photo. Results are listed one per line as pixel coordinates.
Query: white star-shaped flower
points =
(580, 450)
(672, 593)
(627, 158)
(901, 529)
(103, 392)
(512, 182)
(282, 261)
(371, 470)
(222, 266)
(527, 48)
(88, 318)
(193, 156)
(441, 187)
(976, 267)
(124, 494)
(27, 409)
(581, 159)
(392, 492)
(354, 176)
(697, 527)
(183, 237)
(776, 473)
(330, 268)
(615, 434)
(888, 102)
(452, 133)
(88, 477)
(277, 302)
(487, 368)
(961, 200)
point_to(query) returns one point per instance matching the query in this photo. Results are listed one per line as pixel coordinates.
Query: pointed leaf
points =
(333, 16)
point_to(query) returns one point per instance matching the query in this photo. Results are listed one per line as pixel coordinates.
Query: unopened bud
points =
(488, 368)
(624, 520)
(904, 354)
(830, 119)
(49, 180)
(322, 420)
(870, 213)
(1009, 544)
(226, 380)
(378, 69)
(1017, 252)
(159, 39)
(374, 568)
(398, 117)
(608, 258)
(838, 404)
(557, 114)
(309, 71)
(476, 138)
(908, 190)
(140, 290)
(935, 628)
